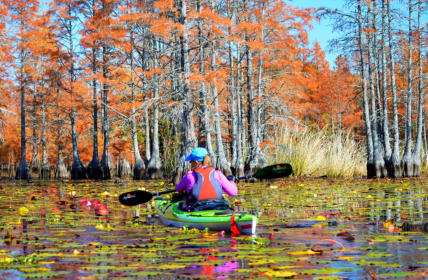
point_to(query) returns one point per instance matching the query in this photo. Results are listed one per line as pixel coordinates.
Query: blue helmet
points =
(198, 154)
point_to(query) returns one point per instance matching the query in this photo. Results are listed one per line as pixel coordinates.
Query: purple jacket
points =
(189, 180)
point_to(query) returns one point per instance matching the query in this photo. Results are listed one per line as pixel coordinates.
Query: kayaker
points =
(204, 185)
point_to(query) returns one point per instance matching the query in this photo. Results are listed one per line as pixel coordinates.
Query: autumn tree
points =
(22, 14)
(66, 21)
(129, 20)
(5, 57)
(188, 137)
(44, 51)
(92, 47)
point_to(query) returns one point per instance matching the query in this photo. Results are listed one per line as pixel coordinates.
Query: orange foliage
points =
(297, 83)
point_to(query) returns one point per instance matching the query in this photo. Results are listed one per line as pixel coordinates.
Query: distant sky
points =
(322, 31)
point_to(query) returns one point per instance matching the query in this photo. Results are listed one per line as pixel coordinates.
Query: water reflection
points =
(397, 206)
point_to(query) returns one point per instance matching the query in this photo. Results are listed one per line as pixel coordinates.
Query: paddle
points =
(269, 172)
(137, 197)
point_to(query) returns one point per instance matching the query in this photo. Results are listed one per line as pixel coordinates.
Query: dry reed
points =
(316, 153)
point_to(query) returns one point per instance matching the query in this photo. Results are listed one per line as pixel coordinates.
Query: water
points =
(314, 228)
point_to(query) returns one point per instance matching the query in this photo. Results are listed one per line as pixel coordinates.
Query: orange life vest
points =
(206, 187)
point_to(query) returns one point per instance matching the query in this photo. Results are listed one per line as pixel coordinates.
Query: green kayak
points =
(218, 220)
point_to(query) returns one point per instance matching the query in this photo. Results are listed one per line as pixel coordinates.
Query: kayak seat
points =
(205, 204)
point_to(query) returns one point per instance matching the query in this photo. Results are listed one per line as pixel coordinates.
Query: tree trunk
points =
(256, 158)
(45, 168)
(107, 166)
(377, 80)
(124, 168)
(222, 163)
(407, 160)
(385, 118)
(233, 111)
(370, 156)
(188, 138)
(259, 117)
(35, 161)
(421, 105)
(78, 170)
(139, 166)
(394, 168)
(94, 167)
(147, 132)
(154, 166)
(23, 171)
(205, 131)
(61, 170)
(241, 132)
(379, 164)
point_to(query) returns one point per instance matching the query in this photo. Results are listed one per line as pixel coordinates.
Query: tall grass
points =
(424, 163)
(315, 153)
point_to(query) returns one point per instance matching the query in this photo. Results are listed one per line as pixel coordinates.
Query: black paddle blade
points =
(135, 197)
(274, 171)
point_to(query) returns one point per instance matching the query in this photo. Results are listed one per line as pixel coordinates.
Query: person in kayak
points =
(204, 185)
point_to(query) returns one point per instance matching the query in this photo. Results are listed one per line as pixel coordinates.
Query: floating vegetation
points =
(317, 228)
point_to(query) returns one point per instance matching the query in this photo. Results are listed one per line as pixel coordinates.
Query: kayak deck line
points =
(192, 214)
(230, 212)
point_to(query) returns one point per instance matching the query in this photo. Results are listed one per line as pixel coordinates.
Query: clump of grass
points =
(424, 164)
(316, 153)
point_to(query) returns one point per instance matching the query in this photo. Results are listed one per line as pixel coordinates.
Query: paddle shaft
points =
(164, 192)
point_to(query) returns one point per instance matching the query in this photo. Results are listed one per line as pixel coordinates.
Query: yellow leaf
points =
(34, 269)
(283, 273)
(46, 262)
(23, 211)
(99, 226)
(320, 218)
(307, 252)
(171, 266)
(261, 262)
(5, 260)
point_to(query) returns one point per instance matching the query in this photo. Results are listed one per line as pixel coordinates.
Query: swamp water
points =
(307, 229)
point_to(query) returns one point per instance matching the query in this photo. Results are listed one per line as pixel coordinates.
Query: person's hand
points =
(178, 196)
(231, 178)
